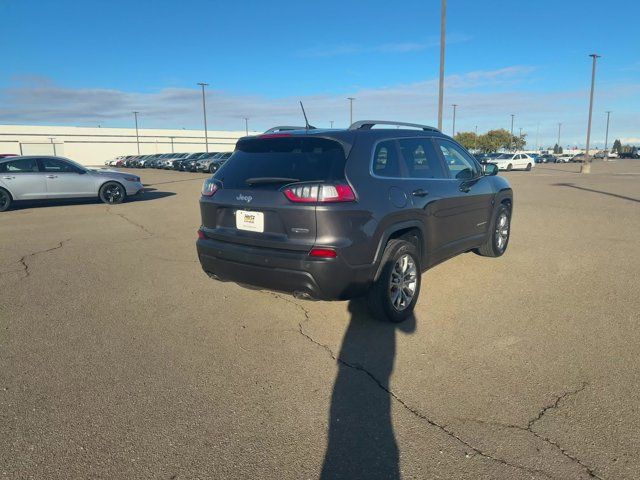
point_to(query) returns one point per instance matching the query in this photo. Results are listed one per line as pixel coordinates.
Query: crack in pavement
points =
(529, 429)
(412, 410)
(23, 260)
(127, 219)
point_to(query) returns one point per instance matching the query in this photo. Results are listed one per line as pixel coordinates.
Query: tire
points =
(493, 246)
(112, 193)
(528, 167)
(383, 299)
(5, 200)
(509, 167)
(212, 168)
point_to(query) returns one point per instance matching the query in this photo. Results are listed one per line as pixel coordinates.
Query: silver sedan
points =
(43, 177)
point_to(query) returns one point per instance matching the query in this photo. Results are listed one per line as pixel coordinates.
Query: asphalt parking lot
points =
(120, 358)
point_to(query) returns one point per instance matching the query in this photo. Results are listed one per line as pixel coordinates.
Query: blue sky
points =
(89, 63)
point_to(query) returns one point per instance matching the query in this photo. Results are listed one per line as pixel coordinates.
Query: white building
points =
(95, 145)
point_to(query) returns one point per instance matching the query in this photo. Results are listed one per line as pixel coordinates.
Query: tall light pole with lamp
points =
(204, 112)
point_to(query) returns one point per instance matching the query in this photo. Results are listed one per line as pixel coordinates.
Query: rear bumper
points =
(284, 270)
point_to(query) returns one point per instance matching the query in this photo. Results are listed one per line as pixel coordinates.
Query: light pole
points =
(586, 165)
(331, 122)
(511, 139)
(537, 133)
(51, 139)
(559, 128)
(135, 116)
(454, 119)
(204, 113)
(443, 22)
(246, 126)
(351, 99)
(172, 144)
(520, 137)
(475, 143)
(606, 138)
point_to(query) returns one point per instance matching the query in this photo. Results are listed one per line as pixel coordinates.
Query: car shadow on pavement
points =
(362, 443)
(146, 195)
(571, 185)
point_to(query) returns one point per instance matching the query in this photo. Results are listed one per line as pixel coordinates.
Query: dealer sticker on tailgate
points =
(251, 221)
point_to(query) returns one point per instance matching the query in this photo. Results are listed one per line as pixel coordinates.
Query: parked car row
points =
(184, 162)
(522, 160)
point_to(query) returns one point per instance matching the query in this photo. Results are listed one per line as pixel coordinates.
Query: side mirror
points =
(490, 169)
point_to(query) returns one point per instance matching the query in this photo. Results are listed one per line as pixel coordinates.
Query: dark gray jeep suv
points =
(336, 214)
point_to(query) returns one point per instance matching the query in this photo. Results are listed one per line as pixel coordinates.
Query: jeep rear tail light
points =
(319, 192)
(209, 188)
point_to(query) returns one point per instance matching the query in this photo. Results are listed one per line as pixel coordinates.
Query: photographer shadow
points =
(362, 443)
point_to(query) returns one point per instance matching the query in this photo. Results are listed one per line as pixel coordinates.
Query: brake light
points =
(323, 253)
(201, 235)
(209, 188)
(314, 192)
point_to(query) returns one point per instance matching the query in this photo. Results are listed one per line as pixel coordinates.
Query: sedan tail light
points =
(320, 192)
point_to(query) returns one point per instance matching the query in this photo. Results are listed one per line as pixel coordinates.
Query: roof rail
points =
(368, 124)
(284, 128)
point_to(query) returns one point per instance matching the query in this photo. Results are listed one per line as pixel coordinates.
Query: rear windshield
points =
(300, 159)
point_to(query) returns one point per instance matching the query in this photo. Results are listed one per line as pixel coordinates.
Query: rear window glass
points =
(301, 159)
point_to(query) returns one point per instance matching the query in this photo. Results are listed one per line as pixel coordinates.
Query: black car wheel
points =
(509, 167)
(394, 295)
(528, 167)
(112, 193)
(5, 200)
(498, 238)
(212, 168)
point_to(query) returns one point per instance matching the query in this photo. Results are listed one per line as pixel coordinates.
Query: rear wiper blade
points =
(265, 180)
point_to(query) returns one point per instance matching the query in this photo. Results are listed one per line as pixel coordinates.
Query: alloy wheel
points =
(403, 282)
(502, 231)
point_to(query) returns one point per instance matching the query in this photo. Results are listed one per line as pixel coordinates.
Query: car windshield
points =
(505, 156)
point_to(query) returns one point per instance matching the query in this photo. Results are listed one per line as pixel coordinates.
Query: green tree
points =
(494, 140)
(519, 142)
(468, 140)
(557, 149)
(617, 145)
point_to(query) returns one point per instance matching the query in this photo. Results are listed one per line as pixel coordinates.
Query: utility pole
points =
(606, 138)
(586, 165)
(351, 99)
(559, 127)
(443, 23)
(135, 116)
(511, 139)
(204, 112)
(246, 126)
(454, 119)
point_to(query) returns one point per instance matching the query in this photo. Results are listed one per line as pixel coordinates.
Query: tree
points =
(617, 146)
(494, 140)
(519, 142)
(557, 149)
(468, 140)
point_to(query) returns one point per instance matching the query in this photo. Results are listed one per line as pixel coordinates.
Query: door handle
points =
(420, 193)
(8, 177)
(52, 176)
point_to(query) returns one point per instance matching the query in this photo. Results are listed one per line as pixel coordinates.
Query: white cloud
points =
(486, 98)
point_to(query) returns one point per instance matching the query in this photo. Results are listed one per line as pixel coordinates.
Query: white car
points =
(565, 157)
(513, 161)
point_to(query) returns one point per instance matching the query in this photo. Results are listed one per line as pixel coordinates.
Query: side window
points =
(457, 161)
(24, 165)
(420, 158)
(52, 165)
(385, 160)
